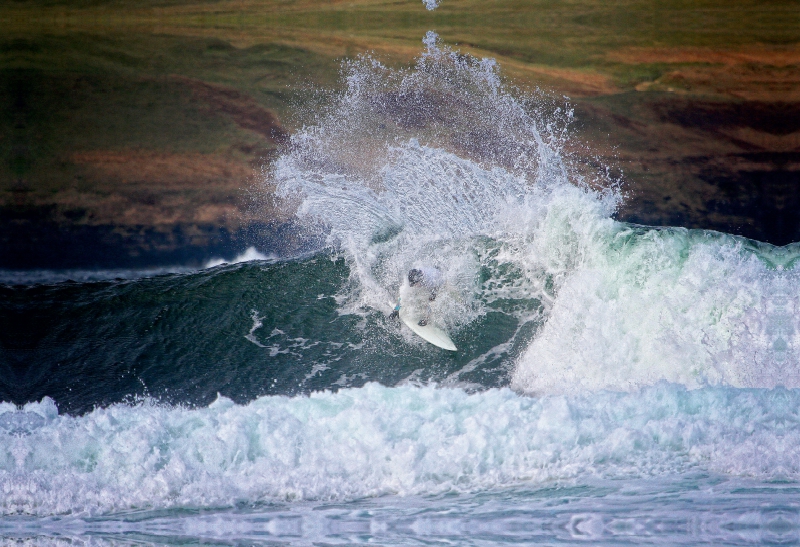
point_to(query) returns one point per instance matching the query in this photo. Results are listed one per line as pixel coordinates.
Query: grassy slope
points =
(153, 113)
(79, 108)
(585, 35)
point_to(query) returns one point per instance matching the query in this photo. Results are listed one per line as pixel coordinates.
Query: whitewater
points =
(614, 382)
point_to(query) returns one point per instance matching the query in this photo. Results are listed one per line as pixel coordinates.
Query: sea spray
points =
(428, 166)
(443, 165)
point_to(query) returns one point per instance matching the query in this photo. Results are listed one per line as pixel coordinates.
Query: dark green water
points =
(243, 331)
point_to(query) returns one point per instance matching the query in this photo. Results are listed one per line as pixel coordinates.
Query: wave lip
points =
(250, 254)
(377, 441)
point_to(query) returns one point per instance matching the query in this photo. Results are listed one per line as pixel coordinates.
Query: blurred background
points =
(132, 132)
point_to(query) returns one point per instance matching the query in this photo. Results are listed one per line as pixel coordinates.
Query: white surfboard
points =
(411, 315)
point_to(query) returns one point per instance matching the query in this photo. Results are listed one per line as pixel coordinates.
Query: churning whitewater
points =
(377, 441)
(589, 349)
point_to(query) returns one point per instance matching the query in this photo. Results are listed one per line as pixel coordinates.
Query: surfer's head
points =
(415, 277)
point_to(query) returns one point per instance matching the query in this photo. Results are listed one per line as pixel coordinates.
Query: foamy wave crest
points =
(250, 254)
(376, 441)
(645, 305)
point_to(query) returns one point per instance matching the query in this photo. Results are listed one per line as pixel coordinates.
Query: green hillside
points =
(153, 115)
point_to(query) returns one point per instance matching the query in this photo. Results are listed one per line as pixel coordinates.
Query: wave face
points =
(592, 353)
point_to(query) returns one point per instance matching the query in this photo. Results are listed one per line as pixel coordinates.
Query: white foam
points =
(250, 254)
(641, 306)
(378, 441)
(257, 324)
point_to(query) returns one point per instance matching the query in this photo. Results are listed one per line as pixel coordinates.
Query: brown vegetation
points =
(239, 107)
(137, 187)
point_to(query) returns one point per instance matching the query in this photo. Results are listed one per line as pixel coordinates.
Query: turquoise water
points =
(613, 383)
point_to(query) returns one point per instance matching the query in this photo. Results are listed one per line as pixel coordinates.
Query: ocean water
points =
(614, 384)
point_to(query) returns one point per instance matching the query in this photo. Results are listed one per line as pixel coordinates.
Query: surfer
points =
(425, 278)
